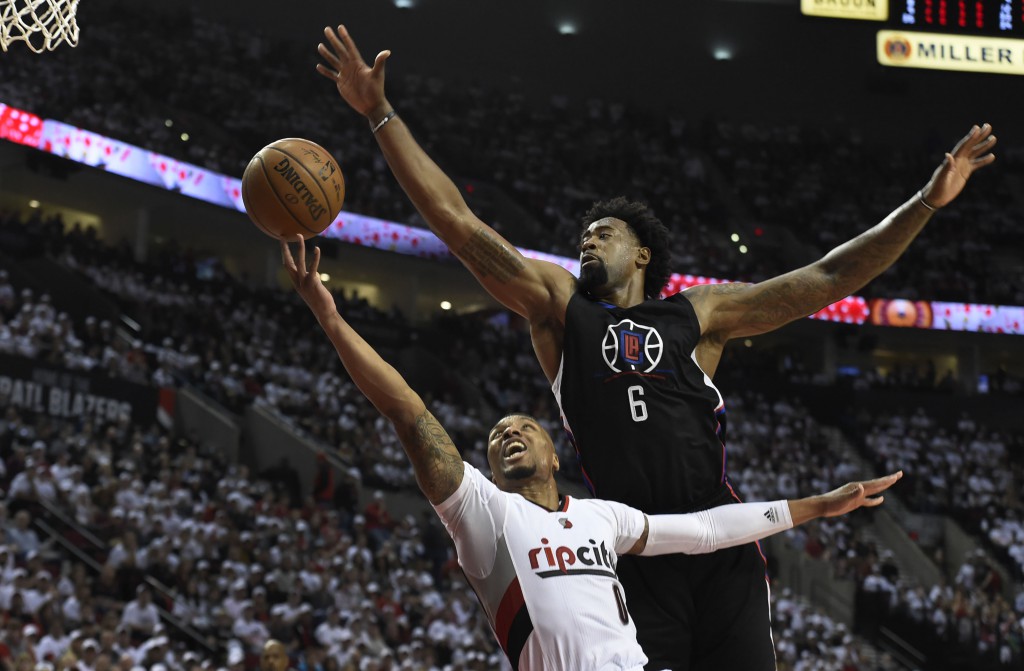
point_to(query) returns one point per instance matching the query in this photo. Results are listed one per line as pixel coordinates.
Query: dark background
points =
(653, 52)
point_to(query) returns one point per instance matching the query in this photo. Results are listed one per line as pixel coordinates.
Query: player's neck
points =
(625, 296)
(544, 494)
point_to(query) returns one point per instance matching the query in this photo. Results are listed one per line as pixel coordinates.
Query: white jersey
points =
(546, 580)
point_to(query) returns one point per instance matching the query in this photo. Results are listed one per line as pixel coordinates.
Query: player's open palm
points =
(361, 86)
(971, 153)
(307, 281)
(855, 495)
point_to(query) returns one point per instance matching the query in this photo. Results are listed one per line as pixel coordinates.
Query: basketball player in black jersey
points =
(632, 373)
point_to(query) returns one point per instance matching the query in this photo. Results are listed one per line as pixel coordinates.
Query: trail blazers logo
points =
(552, 562)
(629, 346)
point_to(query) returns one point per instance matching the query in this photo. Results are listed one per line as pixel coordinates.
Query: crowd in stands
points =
(963, 469)
(972, 473)
(968, 618)
(227, 555)
(706, 179)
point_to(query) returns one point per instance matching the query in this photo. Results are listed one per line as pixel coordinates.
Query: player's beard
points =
(593, 276)
(523, 472)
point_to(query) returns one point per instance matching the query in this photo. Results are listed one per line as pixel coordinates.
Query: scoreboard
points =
(962, 35)
(997, 18)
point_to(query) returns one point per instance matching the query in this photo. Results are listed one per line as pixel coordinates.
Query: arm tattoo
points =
(434, 457)
(771, 306)
(790, 299)
(842, 271)
(485, 254)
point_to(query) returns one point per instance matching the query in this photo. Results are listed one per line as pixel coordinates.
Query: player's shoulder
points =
(602, 507)
(474, 484)
(477, 479)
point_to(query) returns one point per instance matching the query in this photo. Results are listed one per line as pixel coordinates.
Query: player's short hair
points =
(649, 231)
(525, 416)
(518, 414)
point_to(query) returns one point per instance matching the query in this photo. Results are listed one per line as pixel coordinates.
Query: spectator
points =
(24, 538)
(140, 615)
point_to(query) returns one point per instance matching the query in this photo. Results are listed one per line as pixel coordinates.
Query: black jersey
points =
(648, 425)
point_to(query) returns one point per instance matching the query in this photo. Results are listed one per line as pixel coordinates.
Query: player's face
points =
(519, 451)
(609, 251)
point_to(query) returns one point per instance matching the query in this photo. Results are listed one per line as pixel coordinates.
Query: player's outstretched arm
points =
(537, 290)
(731, 525)
(435, 460)
(849, 497)
(734, 310)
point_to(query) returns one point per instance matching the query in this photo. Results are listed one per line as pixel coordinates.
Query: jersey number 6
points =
(636, 405)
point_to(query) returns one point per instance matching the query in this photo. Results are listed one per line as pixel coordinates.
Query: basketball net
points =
(52, 20)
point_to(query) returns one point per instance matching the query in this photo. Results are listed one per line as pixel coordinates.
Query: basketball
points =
(293, 186)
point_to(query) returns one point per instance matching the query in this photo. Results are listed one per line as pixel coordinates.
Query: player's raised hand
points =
(307, 281)
(971, 153)
(361, 86)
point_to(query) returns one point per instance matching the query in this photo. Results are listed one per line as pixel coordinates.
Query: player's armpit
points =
(435, 459)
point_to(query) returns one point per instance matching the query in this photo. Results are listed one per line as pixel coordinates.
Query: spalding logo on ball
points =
(293, 186)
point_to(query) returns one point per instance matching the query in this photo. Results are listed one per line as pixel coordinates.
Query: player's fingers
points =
(328, 56)
(349, 44)
(301, 261)
(378, 63)
(316, 261)
(876, 501)
(983, 161)
(882, 483)
(965, 139)
(286, 256)
(336, 45)
(983, 147)
(327, 72)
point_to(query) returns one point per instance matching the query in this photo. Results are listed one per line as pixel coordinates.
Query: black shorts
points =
(701, 612)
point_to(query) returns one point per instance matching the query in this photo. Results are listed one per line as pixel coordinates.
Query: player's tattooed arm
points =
(487, 256)
(536, 290)
(730, 311)
(734, 310)
(435, 459)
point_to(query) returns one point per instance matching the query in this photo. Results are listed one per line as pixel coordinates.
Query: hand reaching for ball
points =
(307, 281)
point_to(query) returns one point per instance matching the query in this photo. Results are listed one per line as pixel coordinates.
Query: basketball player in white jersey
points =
(543, 565)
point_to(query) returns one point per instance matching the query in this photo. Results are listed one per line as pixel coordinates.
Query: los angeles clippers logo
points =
(631, 346)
